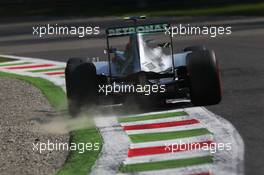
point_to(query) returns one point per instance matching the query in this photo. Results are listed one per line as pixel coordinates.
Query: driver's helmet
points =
(127, 52)
(125, 60)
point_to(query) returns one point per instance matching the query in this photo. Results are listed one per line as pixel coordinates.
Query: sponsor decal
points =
(137, 29)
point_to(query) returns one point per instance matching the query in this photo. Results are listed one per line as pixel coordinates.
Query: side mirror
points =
(164, 45)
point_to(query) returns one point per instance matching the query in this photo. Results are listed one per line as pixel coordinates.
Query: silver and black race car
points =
(141, 65)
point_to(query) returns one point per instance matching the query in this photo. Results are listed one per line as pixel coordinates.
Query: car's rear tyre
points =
(194, 48)
(204, 78)
(81, 84)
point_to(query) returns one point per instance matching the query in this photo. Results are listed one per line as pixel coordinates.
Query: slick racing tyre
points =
(194, 48)
(204, 78)
(81, 84)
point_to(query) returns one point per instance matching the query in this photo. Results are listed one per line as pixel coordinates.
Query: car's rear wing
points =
(129, 30)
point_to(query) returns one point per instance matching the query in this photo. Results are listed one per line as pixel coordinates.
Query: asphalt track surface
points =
(240, 56)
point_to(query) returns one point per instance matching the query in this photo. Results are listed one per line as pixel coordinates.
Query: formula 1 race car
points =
(142, 65)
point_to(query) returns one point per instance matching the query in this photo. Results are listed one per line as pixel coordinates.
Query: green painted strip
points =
(14, 64)
(151, 117)
(166, 164)
(148, 137)
(47, 70)
(3, 59)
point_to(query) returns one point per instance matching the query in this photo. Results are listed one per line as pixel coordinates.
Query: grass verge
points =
(76, 163)
(5, 59)
(81, 163)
